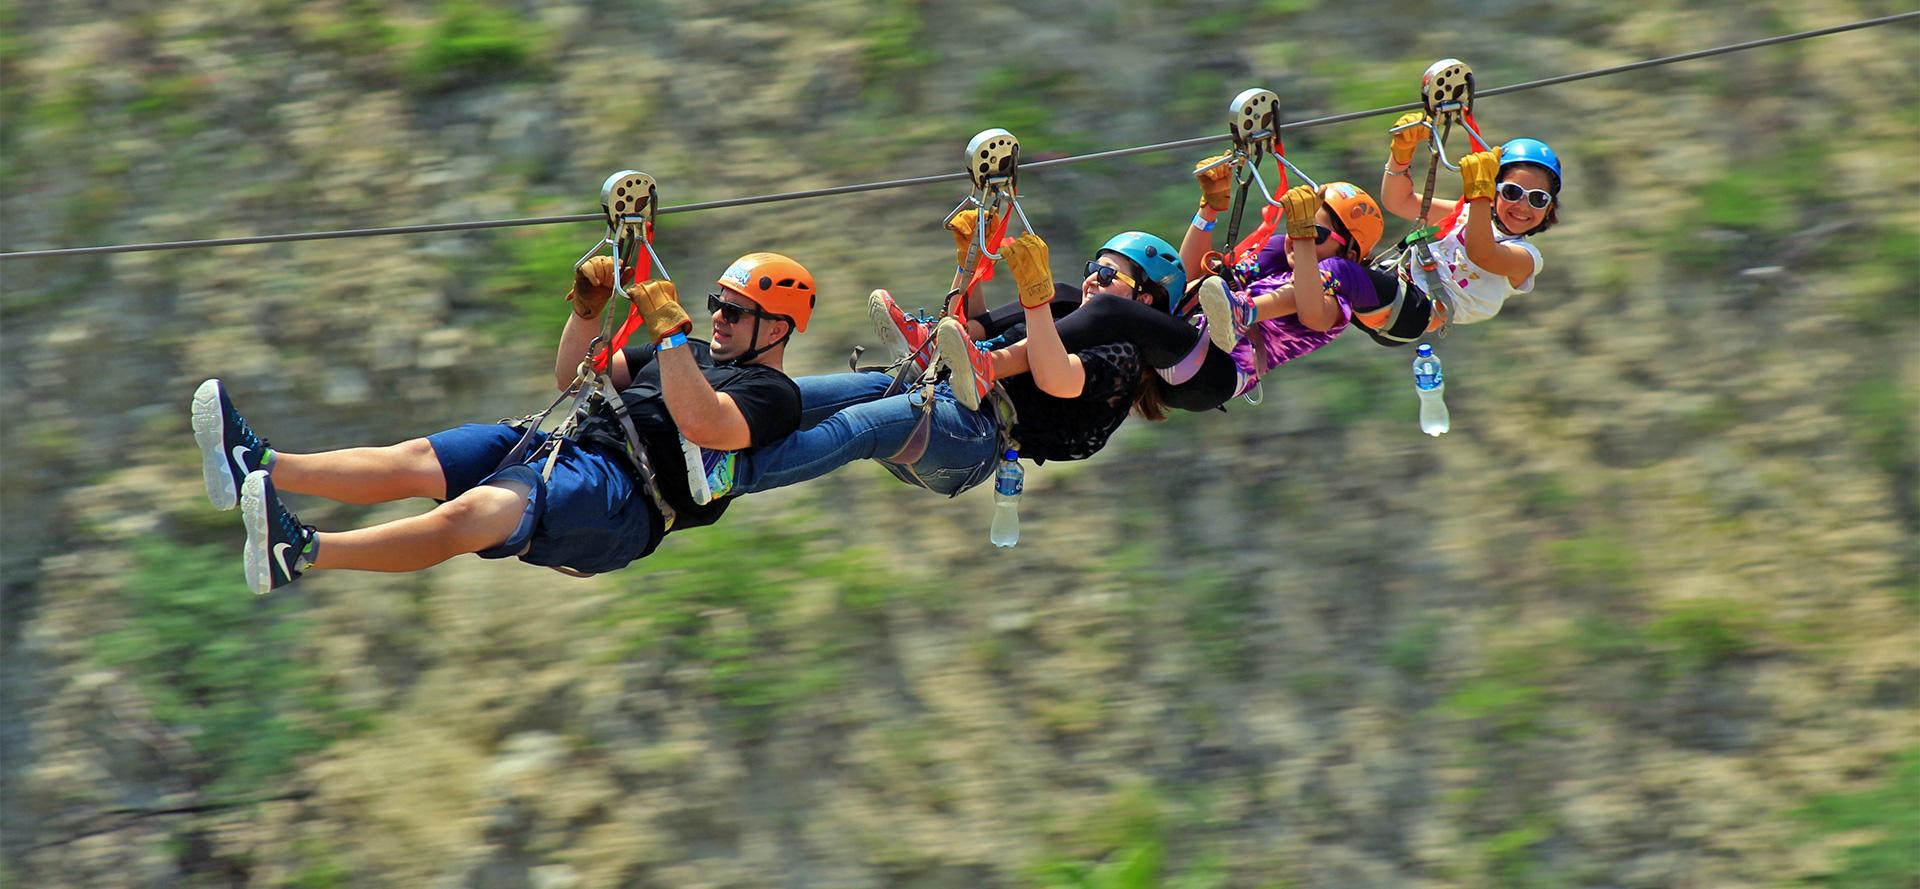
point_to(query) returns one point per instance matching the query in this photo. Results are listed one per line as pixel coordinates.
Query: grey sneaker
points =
(1228, 314)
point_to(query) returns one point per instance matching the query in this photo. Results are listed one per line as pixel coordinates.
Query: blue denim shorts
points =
(591, 516)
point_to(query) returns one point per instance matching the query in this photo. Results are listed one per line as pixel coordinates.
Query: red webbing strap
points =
(1446, 225)
(1269, 215)
(1473, 134)
(642, 270)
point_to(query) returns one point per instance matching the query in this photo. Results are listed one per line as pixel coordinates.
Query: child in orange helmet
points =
(1276, 317)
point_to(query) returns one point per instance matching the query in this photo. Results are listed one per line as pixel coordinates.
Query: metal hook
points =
(1266, 193)
(1296, 170)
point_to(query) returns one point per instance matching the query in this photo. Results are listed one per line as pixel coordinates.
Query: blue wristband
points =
(673, 341)
(1205, 225)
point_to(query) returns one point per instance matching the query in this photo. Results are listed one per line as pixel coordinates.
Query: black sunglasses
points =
(1321, 233)
(731, 312)
(1537, 199)
(1106, 274)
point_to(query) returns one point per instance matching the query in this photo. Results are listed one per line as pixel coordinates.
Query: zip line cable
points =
(949, 177)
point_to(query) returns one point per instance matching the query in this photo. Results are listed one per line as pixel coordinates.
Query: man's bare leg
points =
(477, 520)
(364, 475)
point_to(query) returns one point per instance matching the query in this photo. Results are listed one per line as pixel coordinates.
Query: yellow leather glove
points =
(1302, 203)
(1216, 185)
(592, 287)
(1477, 174)
(962, 228)
(659, 304)
(1027, 257)
(1408, 140)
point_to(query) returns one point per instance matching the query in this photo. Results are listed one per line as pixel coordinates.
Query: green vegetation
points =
(1760, 199)
(1013, 97)
(1701, 634)
(1509, 859)
(219, 666)
(319, 868)
(1883, 412)
(1218, 612)
(1885, 824)
(472, 40)
(894, 51)
(1124, 846)
(1412, 649)
(1356, 390)
(531, 272)
(760, 634)
(1510, 696)
(358, 28)
(1600, 560)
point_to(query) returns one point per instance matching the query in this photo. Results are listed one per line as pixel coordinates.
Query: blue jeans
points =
(848, 417)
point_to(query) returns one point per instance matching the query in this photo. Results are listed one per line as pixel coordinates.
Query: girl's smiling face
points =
(1520, 217)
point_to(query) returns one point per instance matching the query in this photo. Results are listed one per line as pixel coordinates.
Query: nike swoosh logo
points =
(280, 555)
(240, 458)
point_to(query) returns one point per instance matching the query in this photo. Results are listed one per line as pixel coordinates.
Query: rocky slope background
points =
(1645, 618)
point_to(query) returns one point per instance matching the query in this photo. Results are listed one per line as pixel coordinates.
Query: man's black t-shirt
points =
(767, 398)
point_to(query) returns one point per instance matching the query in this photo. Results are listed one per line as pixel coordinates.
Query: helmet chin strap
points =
(753, 353)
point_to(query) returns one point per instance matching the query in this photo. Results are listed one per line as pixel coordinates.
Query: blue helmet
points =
(1531, 151)
(1156, 258)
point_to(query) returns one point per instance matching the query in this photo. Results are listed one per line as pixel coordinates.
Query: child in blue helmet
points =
(1507, 195)
(1147, 273)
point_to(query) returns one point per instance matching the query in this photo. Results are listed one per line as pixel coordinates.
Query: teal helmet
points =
(1156, 259)
(1531, 151)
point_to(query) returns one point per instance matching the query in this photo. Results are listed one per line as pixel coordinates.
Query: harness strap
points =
(1189, 364)
(901, 462)
(915, 446)
(1006, 417)
(518, 453)
(637, 455)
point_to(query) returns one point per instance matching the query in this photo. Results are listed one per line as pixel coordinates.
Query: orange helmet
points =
(1357, 211)
(780, 285)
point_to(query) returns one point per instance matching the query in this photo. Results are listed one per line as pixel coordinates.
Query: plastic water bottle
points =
(1431, 386)
(1007, 484)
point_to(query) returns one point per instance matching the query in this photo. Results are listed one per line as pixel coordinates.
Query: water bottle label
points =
(1427, 374)
(1008, 485)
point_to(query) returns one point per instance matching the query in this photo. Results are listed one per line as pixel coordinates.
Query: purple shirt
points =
(1286, 338)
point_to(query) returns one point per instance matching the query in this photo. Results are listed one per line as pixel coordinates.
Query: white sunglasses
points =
(1537, 199)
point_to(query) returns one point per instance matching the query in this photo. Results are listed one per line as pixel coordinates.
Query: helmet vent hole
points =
(765, 282)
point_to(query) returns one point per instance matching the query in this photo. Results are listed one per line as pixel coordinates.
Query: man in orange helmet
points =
(609, 496)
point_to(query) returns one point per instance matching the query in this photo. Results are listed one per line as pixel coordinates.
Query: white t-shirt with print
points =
(1477, 293)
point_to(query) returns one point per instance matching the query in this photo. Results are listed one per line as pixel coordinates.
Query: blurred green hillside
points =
(1645, 618)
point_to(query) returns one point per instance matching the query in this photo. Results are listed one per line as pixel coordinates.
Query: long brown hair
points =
(1151, 402)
